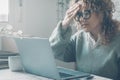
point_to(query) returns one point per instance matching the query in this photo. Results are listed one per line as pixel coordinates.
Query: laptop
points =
(37, 58)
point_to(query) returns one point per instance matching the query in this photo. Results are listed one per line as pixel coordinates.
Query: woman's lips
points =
(84, 25)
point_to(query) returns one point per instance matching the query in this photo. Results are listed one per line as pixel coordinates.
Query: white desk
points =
(6, 74)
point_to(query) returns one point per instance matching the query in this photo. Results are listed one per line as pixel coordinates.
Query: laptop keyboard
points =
(64, 74)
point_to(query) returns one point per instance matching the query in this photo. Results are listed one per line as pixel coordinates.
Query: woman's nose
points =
(81, 19)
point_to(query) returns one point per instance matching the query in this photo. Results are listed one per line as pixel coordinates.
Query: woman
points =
(95, 46)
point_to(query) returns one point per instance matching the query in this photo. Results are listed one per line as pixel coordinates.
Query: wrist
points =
(64, 25)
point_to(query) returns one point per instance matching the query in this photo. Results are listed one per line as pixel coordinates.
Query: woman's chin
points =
(86, 29)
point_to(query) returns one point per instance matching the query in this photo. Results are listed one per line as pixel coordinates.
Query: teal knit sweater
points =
(90, 56)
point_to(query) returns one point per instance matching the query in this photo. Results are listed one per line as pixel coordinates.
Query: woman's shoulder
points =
(116, 37)
(116, 24)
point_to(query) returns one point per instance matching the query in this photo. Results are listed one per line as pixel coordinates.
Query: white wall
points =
(39, 17)
(34, 17)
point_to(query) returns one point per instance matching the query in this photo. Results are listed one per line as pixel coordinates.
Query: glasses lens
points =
(86, 14)
(78, 15)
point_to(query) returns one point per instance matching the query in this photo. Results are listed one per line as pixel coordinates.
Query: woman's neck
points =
(95, 34)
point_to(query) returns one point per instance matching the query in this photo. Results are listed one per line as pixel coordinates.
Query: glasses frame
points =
(86, 14)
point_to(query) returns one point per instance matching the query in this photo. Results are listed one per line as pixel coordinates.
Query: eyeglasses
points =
(86, 14)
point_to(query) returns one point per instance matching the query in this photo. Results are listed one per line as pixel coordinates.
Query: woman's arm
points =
(62, 44)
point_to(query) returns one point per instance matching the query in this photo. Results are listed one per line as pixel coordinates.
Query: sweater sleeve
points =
(118, 61)
(62, 44)
(118, 55)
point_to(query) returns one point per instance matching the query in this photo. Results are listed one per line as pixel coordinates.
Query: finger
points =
(74, 5)
(72, 9)
(74, 13)
(79, 3)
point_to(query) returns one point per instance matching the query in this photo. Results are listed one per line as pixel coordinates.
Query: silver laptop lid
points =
(37, 57)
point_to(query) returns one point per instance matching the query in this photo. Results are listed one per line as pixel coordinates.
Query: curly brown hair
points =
(109, 26)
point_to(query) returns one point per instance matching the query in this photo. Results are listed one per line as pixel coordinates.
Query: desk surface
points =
(6, 74)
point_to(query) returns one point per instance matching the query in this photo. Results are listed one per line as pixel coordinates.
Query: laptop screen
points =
(37, 56)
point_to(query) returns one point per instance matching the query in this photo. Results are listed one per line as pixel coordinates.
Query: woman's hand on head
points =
(70, 14)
